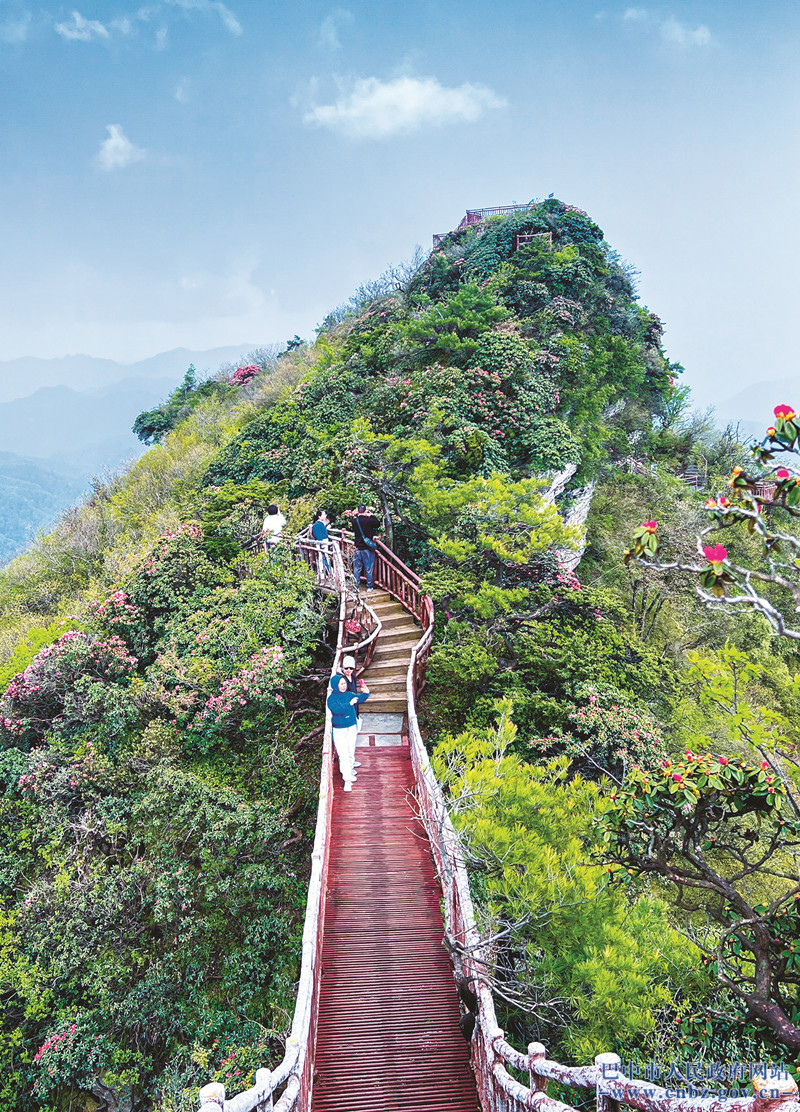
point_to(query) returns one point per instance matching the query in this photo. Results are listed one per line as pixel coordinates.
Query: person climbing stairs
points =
(388, 1035)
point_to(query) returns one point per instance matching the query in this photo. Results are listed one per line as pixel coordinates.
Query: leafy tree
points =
(588, 968)
(724, 835)
(152, 426)
(766, 505)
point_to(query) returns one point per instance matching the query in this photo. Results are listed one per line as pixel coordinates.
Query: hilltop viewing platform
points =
(475, 216)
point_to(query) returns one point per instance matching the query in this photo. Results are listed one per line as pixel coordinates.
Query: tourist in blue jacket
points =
(342, 705)
(319, 531)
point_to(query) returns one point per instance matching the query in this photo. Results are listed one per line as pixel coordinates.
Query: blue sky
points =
(197, 173)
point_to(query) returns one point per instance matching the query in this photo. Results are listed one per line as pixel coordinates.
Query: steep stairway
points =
(388, 1036)
(387, 672)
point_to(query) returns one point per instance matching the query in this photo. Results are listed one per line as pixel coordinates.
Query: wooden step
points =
(387, 666)
(381, 683)
(381, 703)
(386, 604)
(398, 620)
(395, 634)
(397, 650)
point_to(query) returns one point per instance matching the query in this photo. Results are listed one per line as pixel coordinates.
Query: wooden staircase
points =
(388, 1036)
(387, 672)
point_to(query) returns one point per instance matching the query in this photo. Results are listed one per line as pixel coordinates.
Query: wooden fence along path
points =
(376, 1024)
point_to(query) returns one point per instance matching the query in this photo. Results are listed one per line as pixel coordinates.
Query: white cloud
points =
(678, 34)
(229, 20)
(117, 151)
(182, 91)
(329, 29)
(82, 30)
(637, 15)
(376, 109)
(15, 31)
(161, 38)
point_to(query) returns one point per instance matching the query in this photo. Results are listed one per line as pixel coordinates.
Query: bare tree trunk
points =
(388, 530)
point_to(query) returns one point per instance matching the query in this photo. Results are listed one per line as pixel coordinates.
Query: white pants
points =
(344, 740)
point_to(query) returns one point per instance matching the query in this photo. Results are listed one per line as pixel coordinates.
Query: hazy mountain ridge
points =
(32, 495)
(21, 377)
(64, 420)
(757, 402)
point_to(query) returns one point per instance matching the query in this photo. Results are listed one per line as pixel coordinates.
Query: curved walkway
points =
(387, 1035)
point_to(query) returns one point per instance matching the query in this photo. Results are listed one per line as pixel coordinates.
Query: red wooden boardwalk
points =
(388, 1037)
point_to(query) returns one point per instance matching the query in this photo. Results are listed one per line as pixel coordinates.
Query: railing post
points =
(536, 1053)
(607, 1071)
(264, 1086)
(212, 1097)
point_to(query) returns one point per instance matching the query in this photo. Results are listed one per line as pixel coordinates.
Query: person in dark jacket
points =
(342, 705)
(365, 528)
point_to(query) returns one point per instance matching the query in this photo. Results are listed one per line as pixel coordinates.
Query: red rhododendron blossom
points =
(676, 776)
(723, 760)
(716, 554)
(650, 526)
(782, 473)
(771, 430)
(784, 411)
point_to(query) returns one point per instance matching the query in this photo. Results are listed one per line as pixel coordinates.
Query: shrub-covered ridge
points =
(513, 416)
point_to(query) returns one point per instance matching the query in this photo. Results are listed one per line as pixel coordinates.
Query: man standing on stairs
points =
(342, 705)
(365, 528)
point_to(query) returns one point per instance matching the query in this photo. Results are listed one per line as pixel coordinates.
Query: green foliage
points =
(597, 970)
(152, 426)
(449, 331)
(231, 516)
(38, 637)
(724, 834)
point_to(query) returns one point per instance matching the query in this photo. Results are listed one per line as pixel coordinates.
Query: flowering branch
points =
(754, 501)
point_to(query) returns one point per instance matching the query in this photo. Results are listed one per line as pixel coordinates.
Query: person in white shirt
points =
(272, 529)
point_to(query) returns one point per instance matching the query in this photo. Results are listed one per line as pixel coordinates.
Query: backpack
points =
(367, 540)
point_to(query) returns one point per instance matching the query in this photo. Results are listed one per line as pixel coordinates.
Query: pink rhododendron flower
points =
(784, 411)
(716, 554)
(782, 473)
(650, 526)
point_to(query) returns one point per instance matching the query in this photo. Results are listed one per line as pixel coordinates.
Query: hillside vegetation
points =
(512, 416)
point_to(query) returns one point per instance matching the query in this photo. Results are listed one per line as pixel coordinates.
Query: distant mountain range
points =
(32, 495)
(752, 408)
(21, 377)
(64, 420)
